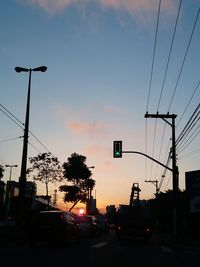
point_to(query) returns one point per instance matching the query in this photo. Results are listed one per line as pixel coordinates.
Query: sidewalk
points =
(10, 236)
(184, 241)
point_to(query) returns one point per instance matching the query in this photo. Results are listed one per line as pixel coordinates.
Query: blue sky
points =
(99, 56)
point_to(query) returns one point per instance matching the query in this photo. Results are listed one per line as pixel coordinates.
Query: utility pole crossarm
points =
(161, 116)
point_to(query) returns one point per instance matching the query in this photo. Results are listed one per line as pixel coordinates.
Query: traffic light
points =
(117, 149)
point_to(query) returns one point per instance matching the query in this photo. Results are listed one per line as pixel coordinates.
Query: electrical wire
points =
(11, 114)
(161, 146)
(189, 154)
(162, 88)
(10, 139)
(40, 142)
(184, 59)
(188, 125)
(150, 80)
(188, 132)
(194, 92)
(170, 52)
(34, 147)
(11, 118)
(153, 59)
(17, 121)
(187, 143)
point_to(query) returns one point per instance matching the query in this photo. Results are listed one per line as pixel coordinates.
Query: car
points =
(53, 225)
(88, 225)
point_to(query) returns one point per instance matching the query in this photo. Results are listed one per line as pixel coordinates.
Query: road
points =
(104, 251)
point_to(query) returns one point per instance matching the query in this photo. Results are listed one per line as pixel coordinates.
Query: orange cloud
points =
(94, 128)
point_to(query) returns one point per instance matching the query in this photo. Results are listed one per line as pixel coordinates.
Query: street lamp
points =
(22, 178)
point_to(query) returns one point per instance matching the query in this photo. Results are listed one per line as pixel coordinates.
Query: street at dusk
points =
(100, 133)
(106, 67)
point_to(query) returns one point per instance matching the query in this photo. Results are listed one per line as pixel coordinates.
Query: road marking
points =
(100, 245)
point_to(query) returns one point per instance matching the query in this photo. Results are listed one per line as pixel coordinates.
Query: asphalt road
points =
(104, 251)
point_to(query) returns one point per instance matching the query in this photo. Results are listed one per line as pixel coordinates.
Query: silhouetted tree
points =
(46, 169)
(78, 175)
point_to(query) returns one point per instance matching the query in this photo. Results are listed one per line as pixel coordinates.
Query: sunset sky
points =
(97, 86)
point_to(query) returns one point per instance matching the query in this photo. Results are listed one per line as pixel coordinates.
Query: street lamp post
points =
(22, 178)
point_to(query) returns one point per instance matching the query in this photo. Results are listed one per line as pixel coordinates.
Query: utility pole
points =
(175, 173)
(155, 182)
(55, 197)
(8, 191)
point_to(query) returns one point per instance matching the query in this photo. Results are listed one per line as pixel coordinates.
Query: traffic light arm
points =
(137, 152)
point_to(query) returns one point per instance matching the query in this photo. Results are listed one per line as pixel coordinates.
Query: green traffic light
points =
(117, 149)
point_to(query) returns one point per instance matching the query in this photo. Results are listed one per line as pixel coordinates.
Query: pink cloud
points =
(96, 151)
(133, 7)
(83, 128)
(111, 109)
(50, 6)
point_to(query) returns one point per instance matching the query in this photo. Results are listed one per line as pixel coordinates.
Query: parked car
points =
(54, 225)
(88, 225)
(102, 222)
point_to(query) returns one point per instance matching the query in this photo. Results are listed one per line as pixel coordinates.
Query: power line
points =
(34, 147)
(11, 114)
(187, 143)
(170, 52)
(191, 153)
(153, 59)
(188, 132)
(39, 141)
(184, 59)
(11, 118)
(159, 155)
(188, 125)
(16, 120)
(163, 84)
(151, 76)
(154, 139)
(10, 139)
(168, 158)
(189, 102)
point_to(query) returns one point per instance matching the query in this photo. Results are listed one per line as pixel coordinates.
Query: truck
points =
(134, 220)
